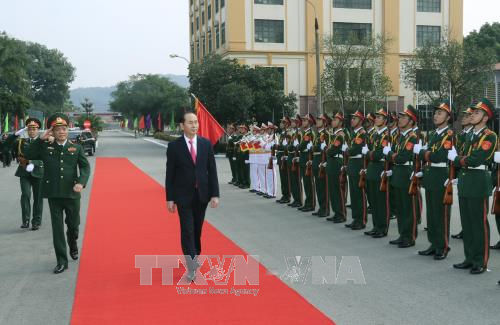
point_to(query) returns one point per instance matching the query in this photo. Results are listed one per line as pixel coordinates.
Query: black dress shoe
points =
(285, 201)
(296, 205)
(252, 191)
(477, 270)
(370, 232)
(379, 235)
(25, 225)
(60, 268)
(428, 252)
(348, 225)
(323, 215)
(301, 208)
(460, 235)
(496, 246)
(315, 213)
(358, 227)
(406, 244)
(462, 266)
(74, 254)
(307, 209)
(339, 220)
(266, 196)
(396, 241)
(441, 254)
(35, 227)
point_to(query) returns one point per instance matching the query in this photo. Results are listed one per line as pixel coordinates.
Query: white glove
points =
(417, 148)
(497, 157)
(18, 133)
(386, 149)
(285, 142)
(389, 173)
(247, 162)
(309, 163)
(30, 168)
(362, 171)
(419, 174)
(452, 154)
(309, 146)
(325, 164)
(345, 147)
(295, 142)
(323, 146)
(425, 147)
(454, 181)
(365, 150)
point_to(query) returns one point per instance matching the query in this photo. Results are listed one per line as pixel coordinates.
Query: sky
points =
(109, 40)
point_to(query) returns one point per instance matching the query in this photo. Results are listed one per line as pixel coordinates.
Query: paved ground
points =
(402, 287)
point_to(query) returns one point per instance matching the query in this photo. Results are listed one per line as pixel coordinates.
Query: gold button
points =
(47, 182)
(62, 161)
(61, 153)
(62, 168)
(62, 176)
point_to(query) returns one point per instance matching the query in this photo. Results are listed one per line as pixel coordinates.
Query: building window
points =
(353, 4)
(429, 5)
(209, 13)
(428, 35)
(428, 80)
(203, 47)
(197, 23)
(202, 18)
(351, 33)
(192, 27)
(210, 42)
(217, 37)
(198, 50)
(268, 2)
(223, 33)
(222, 3)
(216, 6)
(269, 31)
(192, 53)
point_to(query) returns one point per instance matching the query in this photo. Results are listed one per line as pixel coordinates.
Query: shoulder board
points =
(362, 131)
(488, 132)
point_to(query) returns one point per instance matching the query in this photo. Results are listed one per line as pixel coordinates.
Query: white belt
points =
(307, 150)
(338, 156)
(278, 151)
(357, 156)
(405, 164)
(442, 164)
(481, 167)
(317, 153)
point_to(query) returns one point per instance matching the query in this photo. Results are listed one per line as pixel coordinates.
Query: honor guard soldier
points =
(293, 162)
(402, 156)
(305, 161)
(254, 151)
(474, 188)
(6, 148)
(394, 134)
(281, 149)
(230, 154)
(320, 146)
(30, 175)
(435, 174)
(270, 168)
(379, 201)
(66, 174)
(370, 129)
(335, 162)
(354, 167)
(242, 156)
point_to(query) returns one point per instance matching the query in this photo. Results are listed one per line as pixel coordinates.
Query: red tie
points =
(191, 150)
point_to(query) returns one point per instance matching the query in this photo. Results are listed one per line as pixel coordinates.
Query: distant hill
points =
(101, 96)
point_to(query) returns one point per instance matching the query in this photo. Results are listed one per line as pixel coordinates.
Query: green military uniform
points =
(335, 162)
(379, 201)
(294, 168)
(394, 136)
(354, 167)
(404, 203)
(242, 156)
(6, 148)
(474, 189)
(305, 149)
(319, 146)
(230, 154)
(62, 163)
(435, 174)
(281, 157)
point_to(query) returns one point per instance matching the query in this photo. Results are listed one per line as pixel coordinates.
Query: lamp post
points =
(173, 56)
(318, 77)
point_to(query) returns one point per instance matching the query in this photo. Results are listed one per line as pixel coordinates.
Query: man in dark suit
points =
(191, 184)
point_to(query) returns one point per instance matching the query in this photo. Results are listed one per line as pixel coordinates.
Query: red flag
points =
(142, 125)
(208, 126)
(16, 123)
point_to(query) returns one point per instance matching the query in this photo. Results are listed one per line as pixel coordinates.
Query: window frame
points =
(267, 27)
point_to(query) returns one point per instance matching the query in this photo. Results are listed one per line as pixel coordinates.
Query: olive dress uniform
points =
(281, 156)
(294, 168)
(320, 143)
(335, 161)
(307, 139)
(230, 154)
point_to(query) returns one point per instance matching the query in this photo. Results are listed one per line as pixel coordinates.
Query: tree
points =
(488, 37)
(461, 69)
(87, 106)
(354, 76)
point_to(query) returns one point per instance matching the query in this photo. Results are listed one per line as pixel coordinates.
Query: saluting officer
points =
(435, 174)
(66, 174)
(474, 188)
(321, 143)
(305, 147)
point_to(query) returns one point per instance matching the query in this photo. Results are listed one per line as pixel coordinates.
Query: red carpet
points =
(127, 216)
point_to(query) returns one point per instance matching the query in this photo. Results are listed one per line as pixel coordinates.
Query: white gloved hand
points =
(18, 133)
(325, 164)
(419, 174)
(285, 142)
(411, 176)
(417, 148)
(365, 150)
(323, 145)
(362, 171)
(454, 181)
(497, 157)
(425, 147)
(30, 168)
(247, 162)
(309, 146)
(446, 182)
(295, 142)
(389, 173)
(452, 154)
(345, 147)
(382, 174)
(386, 150)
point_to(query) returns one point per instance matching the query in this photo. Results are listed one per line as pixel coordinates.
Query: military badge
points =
(486, 145)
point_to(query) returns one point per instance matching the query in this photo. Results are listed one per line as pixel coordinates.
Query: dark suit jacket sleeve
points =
(169, 178)
(213, 182)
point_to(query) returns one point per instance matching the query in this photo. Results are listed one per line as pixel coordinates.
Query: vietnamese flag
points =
(208, 126)
(142, 125)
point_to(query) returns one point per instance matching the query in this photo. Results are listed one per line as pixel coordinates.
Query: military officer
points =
(474, 188)
(281, 150)
(6, 147)
(355, 166)
(379, 201)
(66, 174)
(435, 174)
(320, 145)
(230, 154)
(254, 151)
(270, 168)
(335, 161)
(30, 175)
(394, 136)
(305, 161)
(293, 162)
(242, 157)
(402, 156)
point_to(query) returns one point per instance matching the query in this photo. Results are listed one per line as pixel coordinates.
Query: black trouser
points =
(191, 219)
